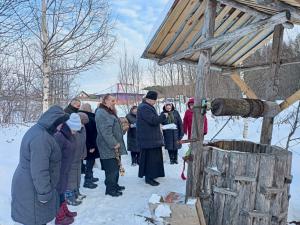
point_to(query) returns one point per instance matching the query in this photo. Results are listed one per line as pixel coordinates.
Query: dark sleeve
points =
(150, 117)
(91, 135)
(40, 152)
(179, 126)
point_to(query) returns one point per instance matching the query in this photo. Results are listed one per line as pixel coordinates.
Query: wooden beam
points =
(280, 6)
(264, 2)
(283, 62)
(273, 84)
(290, 100)
(210, 42)
(194, 184)
(244, 8)
(243, 86)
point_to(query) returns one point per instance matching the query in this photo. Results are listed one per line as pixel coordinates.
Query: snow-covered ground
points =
(98, 208)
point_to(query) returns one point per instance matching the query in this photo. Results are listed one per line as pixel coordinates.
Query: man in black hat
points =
(149, 139)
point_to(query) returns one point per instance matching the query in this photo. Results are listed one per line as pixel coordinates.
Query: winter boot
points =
(113, 193)
(94, 179)
(62, 219)
(120, 188)
(71, 199)
(67, 211)
(89, 184)
(78, 195)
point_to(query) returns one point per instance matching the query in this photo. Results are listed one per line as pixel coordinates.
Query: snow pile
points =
(163, 211)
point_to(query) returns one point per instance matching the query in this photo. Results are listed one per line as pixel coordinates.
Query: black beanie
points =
(151, 95)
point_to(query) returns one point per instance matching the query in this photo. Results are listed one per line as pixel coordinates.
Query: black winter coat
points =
(148, 127)
(172, 136)
(131, 134)
(91, 136)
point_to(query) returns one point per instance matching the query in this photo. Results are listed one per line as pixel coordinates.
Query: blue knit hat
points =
(74, 122)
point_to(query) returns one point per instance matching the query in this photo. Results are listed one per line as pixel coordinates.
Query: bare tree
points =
(130, 78)
(75, 33)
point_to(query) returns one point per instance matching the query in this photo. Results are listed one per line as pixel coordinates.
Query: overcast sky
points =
(134, 21)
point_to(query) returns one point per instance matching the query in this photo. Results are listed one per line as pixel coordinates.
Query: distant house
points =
(122, 98)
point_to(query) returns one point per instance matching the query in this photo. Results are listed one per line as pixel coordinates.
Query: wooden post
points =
(273, 84)
(195, 170)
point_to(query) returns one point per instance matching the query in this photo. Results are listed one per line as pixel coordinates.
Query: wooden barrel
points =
(245, 183)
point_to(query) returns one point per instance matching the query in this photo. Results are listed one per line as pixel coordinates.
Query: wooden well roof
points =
(181, 30)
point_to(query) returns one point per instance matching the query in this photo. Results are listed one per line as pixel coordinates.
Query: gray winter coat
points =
(109, 134)
(37, 173)
(79, 152)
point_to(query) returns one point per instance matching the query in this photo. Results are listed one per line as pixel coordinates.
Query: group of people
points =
(48, 175)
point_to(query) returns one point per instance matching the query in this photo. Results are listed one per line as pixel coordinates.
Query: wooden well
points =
(245, 183)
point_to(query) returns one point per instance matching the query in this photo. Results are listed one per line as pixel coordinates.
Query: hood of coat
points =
(164, 108)
(54, 116)
(66, 131)
(71, 109)
(191, 101)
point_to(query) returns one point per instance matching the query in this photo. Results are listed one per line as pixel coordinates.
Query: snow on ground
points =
(98, 208)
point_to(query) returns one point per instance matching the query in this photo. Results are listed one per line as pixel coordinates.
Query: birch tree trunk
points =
(46, 63)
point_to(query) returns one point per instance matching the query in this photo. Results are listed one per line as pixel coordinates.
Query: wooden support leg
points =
(272, 87)
(195, 172)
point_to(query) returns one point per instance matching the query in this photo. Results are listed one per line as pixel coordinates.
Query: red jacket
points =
(187, 121)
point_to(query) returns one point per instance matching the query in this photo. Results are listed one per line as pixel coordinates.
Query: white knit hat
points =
(74, 122)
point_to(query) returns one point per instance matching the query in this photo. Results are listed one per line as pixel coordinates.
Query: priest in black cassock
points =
(150, 139)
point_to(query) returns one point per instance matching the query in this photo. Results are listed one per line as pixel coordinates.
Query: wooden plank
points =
(220, 50)
(169, 21)
(243, 86)
(290, 100)
(273, 84)
(265, 178)
(193, 185)
(243, 46)
(187, 29)
(224, 191)
(245, 8)
(227, 23)
(196, 33)
(245, 179)
(251, 51)
(241, 32)
(175, 29)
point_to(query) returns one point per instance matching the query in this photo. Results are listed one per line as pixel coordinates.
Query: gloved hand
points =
(132, 125)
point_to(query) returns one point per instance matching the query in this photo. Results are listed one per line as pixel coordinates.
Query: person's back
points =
(36, 202)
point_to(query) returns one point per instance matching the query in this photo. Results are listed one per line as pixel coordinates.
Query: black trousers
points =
(135, 157)
(111, 168)
(89, 169)
(173, 155)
